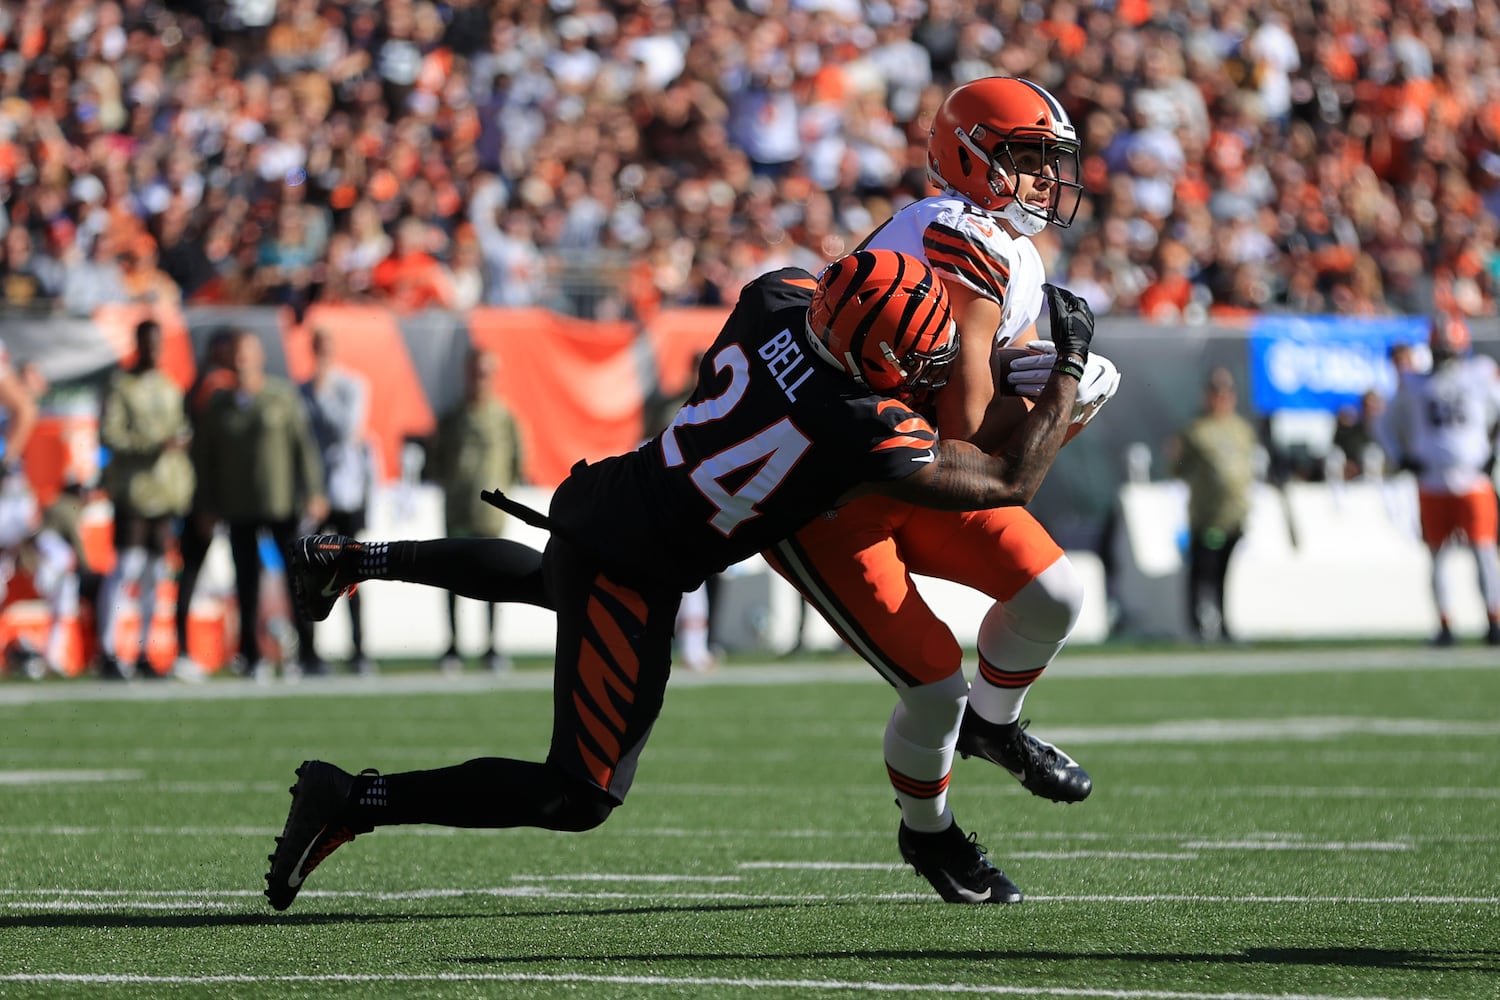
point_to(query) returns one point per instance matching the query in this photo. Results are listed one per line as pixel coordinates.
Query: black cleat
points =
(1444, 638)
(319, 822)
(956, 866)
(321, 569)
(1040, 767)
(1492, 637)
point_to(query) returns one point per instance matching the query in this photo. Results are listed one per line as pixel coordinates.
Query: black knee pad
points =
(580, 807)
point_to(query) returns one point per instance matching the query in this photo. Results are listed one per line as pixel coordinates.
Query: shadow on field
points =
(189, 921)
(1412, 960)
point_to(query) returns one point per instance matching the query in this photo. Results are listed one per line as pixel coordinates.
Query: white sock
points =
(1441, 598)
(1488, 559)
(128, 569)
(1019, 638)
(145, 598)
(919, 741)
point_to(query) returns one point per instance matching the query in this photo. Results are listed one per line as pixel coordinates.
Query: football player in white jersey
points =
(1442, 425)
(1004, 155)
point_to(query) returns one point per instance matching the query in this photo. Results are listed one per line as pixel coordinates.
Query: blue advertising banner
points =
(1324, 362)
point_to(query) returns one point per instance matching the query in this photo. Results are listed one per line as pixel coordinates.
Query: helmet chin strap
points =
(1024, 220)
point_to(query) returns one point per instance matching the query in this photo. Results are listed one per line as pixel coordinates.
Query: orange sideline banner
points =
(573, 385)
(679, 336)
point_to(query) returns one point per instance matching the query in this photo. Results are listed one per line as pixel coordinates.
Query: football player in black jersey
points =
(809, 397)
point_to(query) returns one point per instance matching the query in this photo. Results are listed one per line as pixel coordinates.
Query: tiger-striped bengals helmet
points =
(883, 318)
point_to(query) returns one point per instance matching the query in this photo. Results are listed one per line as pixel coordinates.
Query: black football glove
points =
(1072, 322)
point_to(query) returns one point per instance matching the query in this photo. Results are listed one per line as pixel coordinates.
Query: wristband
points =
(1068, 365)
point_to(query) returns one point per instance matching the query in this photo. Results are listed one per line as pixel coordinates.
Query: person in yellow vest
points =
(1215, 456)
(150, 482)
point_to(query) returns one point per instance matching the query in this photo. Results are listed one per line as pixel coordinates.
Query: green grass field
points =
(1306, 823)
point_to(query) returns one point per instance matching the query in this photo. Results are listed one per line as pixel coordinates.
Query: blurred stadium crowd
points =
(611, 157)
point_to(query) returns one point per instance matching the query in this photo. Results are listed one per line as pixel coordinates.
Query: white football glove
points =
(1100, 378)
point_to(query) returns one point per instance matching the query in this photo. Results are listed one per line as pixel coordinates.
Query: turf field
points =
(1317, 823)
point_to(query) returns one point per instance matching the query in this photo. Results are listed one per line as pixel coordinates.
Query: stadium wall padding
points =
(578, 387)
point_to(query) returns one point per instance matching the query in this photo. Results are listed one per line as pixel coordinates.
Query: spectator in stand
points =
(338, 404)
(1358, 142)
(411, 279)
(476, 448)
(29, 277)
(143, 278)
(1215, 456)
(287, 261)
(260, 472)
(94, 279)
(1167, 298)
(150, 483)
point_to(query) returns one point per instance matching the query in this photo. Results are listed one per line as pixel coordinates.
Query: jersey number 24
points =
(775, 448)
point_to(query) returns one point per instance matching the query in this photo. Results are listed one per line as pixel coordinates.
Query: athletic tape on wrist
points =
(1068, 366)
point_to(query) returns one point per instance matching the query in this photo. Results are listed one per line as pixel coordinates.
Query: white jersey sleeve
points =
(965, 245)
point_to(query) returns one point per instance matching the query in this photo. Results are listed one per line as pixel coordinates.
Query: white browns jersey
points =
(964, 244)
(1444, 420)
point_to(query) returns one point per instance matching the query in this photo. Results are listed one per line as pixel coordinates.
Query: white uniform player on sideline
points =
(1441, 425)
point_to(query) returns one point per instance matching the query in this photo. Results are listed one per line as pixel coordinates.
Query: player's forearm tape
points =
(1069, 365)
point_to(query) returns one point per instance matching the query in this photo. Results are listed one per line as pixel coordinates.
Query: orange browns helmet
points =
(883, 318)
(1448, 337)
(990, 131)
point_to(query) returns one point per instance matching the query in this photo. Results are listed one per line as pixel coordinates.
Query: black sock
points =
(486, 793)
(485, 569)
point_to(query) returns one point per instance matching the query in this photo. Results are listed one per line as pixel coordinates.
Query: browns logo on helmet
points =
(988, 133)
(883, 318)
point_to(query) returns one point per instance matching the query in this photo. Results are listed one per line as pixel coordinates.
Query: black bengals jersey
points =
(771, 437)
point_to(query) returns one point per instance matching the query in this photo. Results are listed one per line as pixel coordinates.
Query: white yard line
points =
(673, 983)
(1070, 666)
(1310, 792)
(124, 899)
(1008, 855)
(67, 777)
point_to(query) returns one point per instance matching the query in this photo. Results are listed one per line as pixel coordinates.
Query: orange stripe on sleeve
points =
(904, 441)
